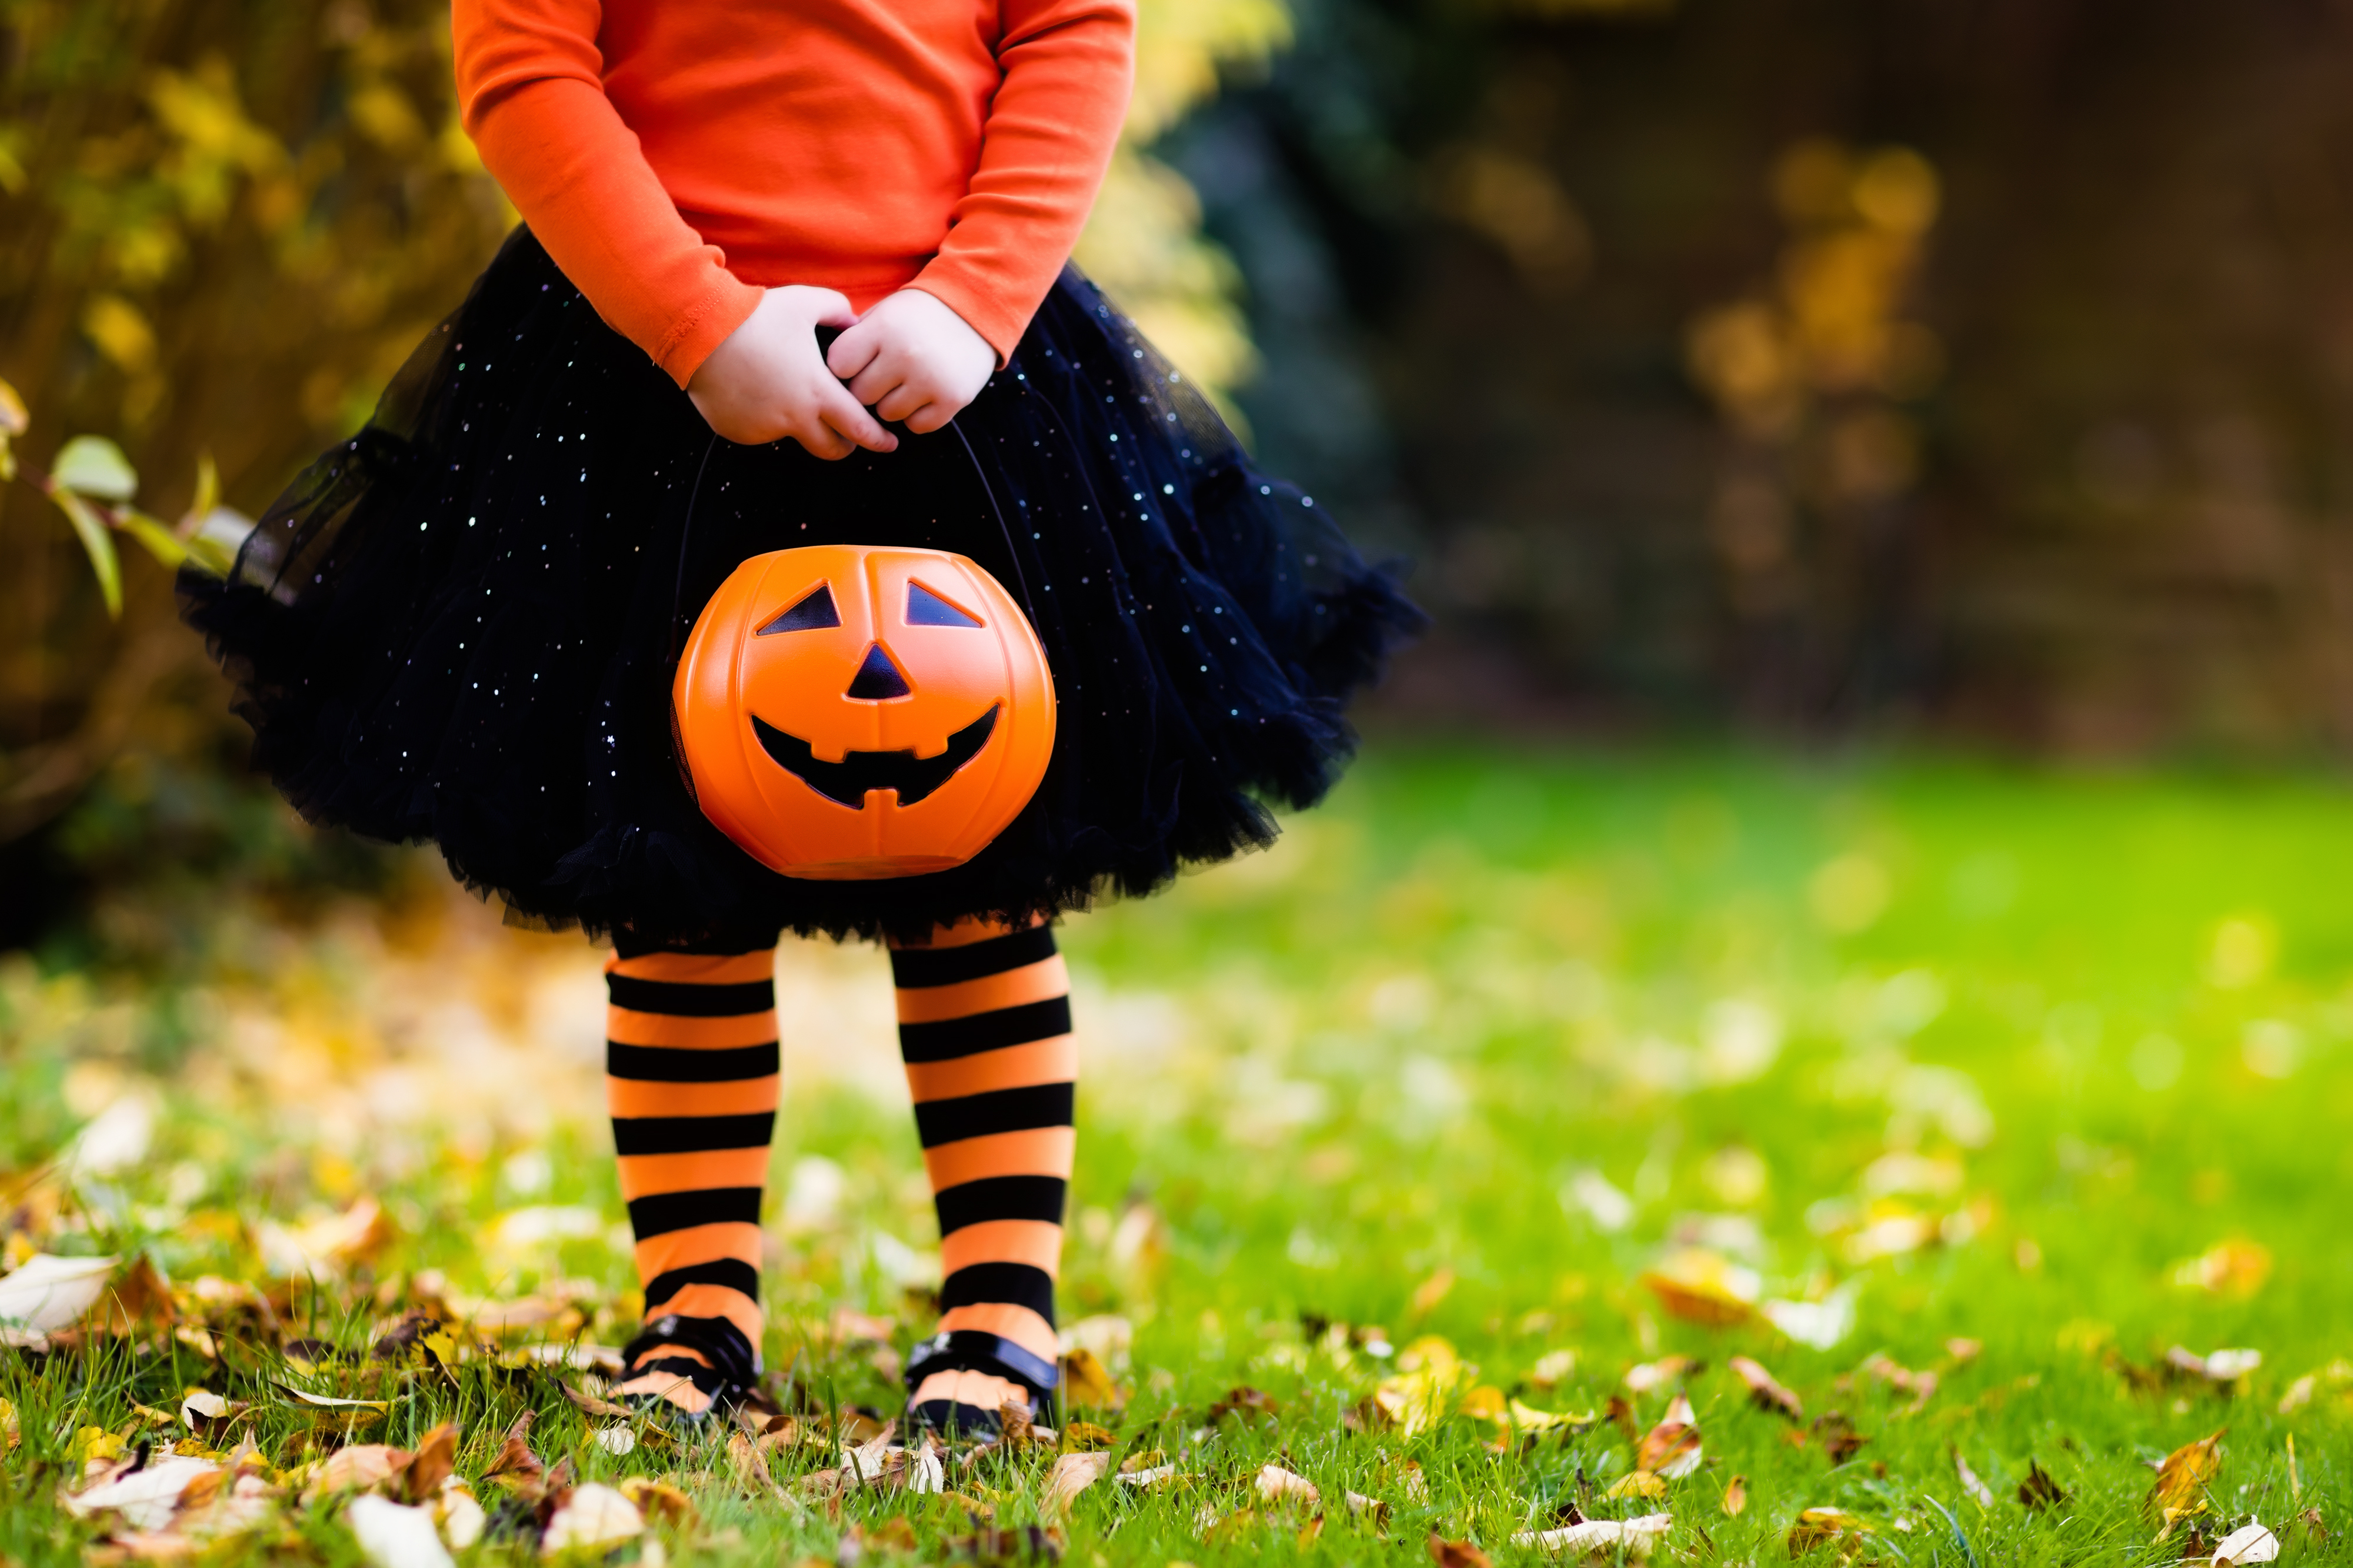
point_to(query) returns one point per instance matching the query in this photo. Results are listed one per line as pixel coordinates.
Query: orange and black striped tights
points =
(691, 1079)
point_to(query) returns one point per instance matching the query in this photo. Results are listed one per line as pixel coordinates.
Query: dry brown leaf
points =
(1073, 1474)
(2183, 1475)
(436, 1457)
(1837, 1436)
(515, 1463)
(1735, 1496)
(1920, 1385)
(1369, 1507)
(1247, 1401)
(750, 1466)
(589, 1405)
(2037, 1490)
(1672, 1448)
(1455, 1554)
(1765, 1392)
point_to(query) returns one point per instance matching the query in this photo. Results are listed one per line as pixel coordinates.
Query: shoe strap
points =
(721, 1343)
(975, 1350)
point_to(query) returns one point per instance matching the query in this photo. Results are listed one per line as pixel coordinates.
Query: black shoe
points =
(725, 1384)
(972, 1350)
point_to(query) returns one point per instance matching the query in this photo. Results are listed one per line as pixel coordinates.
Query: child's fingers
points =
(932, 415)
(838, 408)
(854, 354)
(831, 305)
(898, 402)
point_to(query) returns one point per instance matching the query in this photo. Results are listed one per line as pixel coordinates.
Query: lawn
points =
(1926, 1126)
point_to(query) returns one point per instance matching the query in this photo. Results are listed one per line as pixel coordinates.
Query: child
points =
(461, 624)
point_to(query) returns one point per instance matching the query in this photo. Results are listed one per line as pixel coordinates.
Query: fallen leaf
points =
(1704, 1287)
(1672, 1448)
(325, 1246)
(1626, 1539)
(2185, 1473)
(1820, 1526)
(1765, 1392)
(2313, 1525)
(1432, 1291)
(1638, 1483)
(1971, 1482)
(2235, 1268)
(1553, 1369)
(1964, 1351)
(1455, 1554)
(1276, 1484)
(1087, 1434)
(436, 1457)
(459, 1515)
(1837, 1436)
(660, 1500)
(1644, 1376)
(2037, 1490)
(328, 1406)
(1735, 1496)
(46, 1293)
(2220, 1366)
(515, 1462)
(618, 1441)
(595, 1517)
(1920, 1385)
(144, 1498)
(1087, 1383)
(1151, 1480)
(393, 1535)
(1368, 1508)
(2251, 1542)
(1485, 1403)
(1310, 1532)
(357, 1468)
(1819, 1325)
(1073, 1474)
(1528, 1418)
(1252, 1401)
(590, 1404)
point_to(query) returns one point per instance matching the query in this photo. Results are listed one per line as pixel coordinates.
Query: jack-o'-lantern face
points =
(848, 712)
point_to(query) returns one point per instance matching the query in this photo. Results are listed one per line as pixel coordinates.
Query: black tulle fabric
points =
(461, 624)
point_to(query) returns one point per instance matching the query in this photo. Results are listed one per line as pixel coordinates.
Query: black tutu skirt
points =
(461, 624)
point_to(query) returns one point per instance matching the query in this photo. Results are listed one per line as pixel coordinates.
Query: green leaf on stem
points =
(97, 540)
(95, 467)
(161, 541)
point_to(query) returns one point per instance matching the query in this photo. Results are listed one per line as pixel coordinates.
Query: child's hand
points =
(912, 359)
(767, 380)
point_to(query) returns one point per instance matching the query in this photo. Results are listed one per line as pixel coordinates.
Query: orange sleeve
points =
(1069, 66)
(532, 95)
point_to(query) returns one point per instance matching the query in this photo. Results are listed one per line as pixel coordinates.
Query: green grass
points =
(2111, 1011)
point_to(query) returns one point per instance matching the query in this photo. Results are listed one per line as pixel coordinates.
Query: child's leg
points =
(690, 1078)
(985, 1027)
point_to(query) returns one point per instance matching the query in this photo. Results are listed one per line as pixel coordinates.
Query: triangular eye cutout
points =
(878, 679)
(814, 612)
(926, 608)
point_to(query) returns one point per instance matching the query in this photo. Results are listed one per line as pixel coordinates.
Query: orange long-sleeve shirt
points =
(675, 156)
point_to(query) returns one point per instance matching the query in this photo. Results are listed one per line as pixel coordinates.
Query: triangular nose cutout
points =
(878, 677)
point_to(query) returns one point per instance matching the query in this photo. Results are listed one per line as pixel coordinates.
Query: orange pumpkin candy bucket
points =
(846, 712)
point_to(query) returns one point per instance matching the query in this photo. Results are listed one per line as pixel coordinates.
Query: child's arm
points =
(531, 87)
(1069, 65)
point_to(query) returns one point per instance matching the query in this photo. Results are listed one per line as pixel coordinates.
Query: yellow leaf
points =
(1639, 1483)
(14, 419)
(2185, 1473)
(1485, 1403)
(1735, 1496)
(1432, 1291)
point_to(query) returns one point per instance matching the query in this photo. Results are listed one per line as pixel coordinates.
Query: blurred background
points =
(1969, 375)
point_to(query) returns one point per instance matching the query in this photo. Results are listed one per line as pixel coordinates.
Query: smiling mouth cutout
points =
(848, 781)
